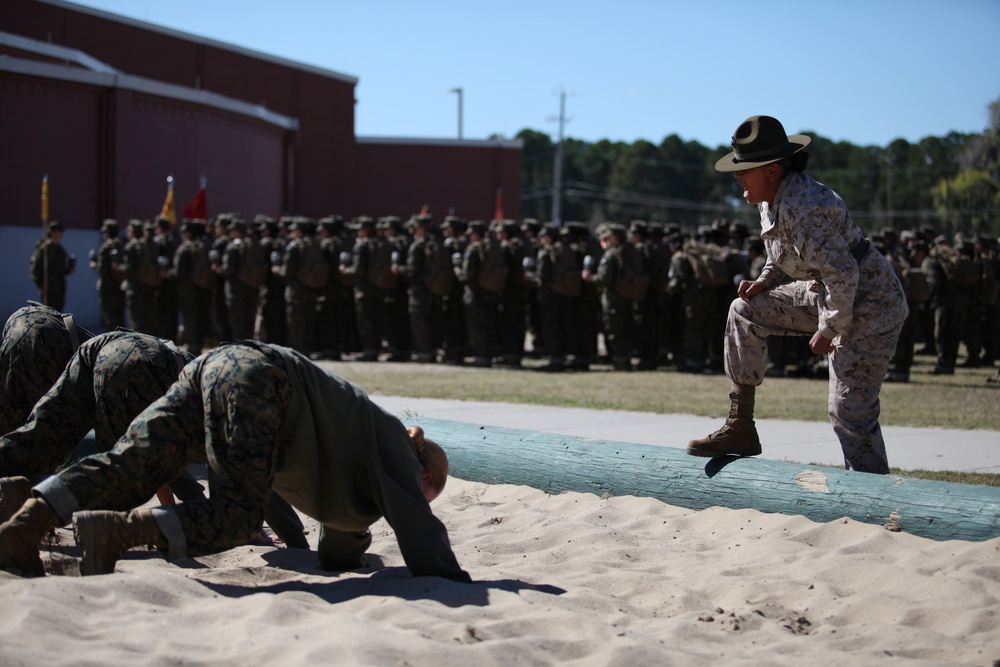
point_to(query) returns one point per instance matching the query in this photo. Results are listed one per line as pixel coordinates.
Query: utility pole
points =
(459, 92)
(889, 159)
(558, 167)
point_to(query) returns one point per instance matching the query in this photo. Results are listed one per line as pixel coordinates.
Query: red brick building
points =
(108, 107)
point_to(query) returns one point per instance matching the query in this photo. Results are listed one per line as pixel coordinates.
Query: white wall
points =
(16, 246)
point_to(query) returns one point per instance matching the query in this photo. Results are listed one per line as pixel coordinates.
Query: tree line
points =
(949, 183)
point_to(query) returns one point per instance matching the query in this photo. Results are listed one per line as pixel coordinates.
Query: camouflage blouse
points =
(809, 235)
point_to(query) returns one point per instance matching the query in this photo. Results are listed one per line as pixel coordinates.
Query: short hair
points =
(432, 457)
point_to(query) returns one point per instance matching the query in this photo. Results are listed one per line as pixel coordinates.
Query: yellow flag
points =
(45, 199)
(168, 205)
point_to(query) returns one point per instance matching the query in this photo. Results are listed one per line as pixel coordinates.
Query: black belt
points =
(861, 249)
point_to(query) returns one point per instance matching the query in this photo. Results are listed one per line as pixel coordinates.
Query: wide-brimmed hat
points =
(760, 140)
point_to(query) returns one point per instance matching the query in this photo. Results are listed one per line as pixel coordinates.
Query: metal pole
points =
(459, 91)
(889, 158)
(45, 235)
(558, 167)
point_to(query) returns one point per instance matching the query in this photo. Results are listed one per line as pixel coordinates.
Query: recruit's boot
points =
(14, 492)
(737, 436)
(104, 536)
(21, 535)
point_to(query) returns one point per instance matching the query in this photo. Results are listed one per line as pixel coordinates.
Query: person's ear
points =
(426, 476)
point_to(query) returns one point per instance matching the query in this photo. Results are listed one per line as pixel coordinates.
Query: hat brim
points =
(728, 162)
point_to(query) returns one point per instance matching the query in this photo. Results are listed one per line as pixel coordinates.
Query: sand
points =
(569, 579)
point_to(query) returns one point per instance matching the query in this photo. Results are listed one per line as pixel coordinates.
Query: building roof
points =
(65, 64)
(196, 39)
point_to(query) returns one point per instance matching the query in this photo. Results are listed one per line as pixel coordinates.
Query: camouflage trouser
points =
(112, 301)
(512, 325)
(195, 304)
(110, 380)
(558, 327)
(35, 349)
(141, 301)
(300, 315)
(857, 366)
(698, 302)
(619, 328)
(225, 409)
(368, 309)
(241, 307)
(481, 322)
(272, 312)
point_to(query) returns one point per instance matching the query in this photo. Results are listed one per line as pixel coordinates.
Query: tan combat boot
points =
(737, 436)
(21, 535)
(14, 492)
(104, 536)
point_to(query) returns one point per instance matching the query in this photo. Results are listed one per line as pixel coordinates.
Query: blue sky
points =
(867, 72)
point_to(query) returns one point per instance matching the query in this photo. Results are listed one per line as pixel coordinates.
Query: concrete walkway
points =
(800, 442)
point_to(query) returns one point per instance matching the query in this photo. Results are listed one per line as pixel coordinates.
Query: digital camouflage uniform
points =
(241, 298)
(271, 311)
(222, 331)
(336, 310)
(515, 298)
(453, 319)
(300, 299)
(167, 303)
(142, 279)
(395, 307)
(949, 303)
(425, 308)
(50, 257)
(107, 382)
(109, 282)
(482, 306)
(809, 236)
(262, 416)
(696, 303)
(618, 312)
(558, 296)
(38, 342)
(195, 281)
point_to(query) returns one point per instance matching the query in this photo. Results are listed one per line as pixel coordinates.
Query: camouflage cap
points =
(549, 229)
(196, 227)
(454, 223)
(363, 222)
(639, 227)
(531, 225)
(332, 224)
(303, 224)
(478, 227)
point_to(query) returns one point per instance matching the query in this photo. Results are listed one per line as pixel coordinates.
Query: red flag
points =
(197, 208)
(498, 209)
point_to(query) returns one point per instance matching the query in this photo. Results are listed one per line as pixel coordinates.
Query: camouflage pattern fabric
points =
(225, 409)
(618, 313)
(300, 300)
(109, 285)
(111, 379)
(809, 236)
(35, 349)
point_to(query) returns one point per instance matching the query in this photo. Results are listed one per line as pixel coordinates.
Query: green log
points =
(555, 463)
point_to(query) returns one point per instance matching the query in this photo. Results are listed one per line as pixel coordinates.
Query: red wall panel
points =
(48, 128)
